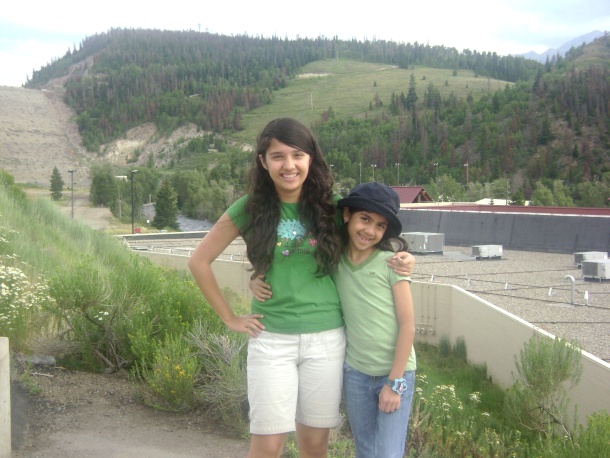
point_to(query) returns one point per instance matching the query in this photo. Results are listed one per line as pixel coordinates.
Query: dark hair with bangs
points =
(315, 204)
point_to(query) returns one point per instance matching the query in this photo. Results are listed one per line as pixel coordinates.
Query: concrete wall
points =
(5, 399)
(492, 335)
(495, 338)
(533, 232)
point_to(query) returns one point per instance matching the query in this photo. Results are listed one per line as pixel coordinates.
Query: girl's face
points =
(288, 168)
(365, 229)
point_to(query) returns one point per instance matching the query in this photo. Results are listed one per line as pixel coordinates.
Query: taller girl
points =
(291, 227)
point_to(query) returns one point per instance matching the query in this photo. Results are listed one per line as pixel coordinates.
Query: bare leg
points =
(266, 446)
(312, 442)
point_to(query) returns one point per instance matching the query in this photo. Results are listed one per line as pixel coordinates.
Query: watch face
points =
(398, 385)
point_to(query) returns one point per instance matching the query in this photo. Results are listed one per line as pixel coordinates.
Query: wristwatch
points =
(398, 385)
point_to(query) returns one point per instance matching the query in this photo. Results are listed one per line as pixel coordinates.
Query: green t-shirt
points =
(370, 315)
(302, 301)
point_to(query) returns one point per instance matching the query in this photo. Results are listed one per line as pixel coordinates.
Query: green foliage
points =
(459, 349)
(57, 184)
(593, 441)
(170, 381)
(223, 388)
(538, 399)
(103, 190)
(21, 302)
(166, 207)
(542, 196)
(518, 198)
(444, 346)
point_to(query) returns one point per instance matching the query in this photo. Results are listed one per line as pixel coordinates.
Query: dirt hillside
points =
(37, 133)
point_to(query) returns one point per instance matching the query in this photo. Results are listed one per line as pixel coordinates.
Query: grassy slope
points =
(349, 87)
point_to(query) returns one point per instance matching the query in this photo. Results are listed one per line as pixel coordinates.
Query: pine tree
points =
(166, 207)
(57, 184)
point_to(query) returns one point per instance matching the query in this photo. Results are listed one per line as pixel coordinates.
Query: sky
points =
(36, 32)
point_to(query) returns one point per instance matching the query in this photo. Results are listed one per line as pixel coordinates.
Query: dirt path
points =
(94, 415)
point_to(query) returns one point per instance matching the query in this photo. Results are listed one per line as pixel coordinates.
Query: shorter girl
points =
(379, 369)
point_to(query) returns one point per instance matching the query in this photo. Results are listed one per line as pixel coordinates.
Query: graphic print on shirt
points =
(291, 236)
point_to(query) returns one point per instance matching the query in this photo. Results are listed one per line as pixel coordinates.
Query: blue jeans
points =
(376, 434)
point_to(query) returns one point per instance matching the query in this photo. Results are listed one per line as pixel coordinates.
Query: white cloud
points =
(35, 32)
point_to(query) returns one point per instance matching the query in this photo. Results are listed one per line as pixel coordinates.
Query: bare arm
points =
(200, 264)
(389, 401)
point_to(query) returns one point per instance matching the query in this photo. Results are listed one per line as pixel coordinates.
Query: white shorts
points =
(295, 377)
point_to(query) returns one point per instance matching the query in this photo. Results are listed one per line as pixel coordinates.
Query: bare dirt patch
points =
(81, 414)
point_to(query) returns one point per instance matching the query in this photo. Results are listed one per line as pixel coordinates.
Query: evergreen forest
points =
(535, 131)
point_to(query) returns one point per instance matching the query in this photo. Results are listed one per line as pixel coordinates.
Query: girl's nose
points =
(288, 163)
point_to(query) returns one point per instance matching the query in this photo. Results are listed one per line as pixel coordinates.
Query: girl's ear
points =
(346, 215)
(263, 163)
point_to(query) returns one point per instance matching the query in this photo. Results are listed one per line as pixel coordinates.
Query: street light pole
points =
(373, 168)
(466, 165)
(397, 173)
(360, 165)
(72, 183)
(132, 204)
(436, 168)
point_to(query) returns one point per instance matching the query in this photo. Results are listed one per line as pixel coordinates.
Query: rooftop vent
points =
(588, 256)
(424, 242)
(487, 251)
(596, 270)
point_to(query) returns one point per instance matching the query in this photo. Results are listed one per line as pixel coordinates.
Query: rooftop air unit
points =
(596, 270)
(487, 251)
(424, 242)
(589, 256)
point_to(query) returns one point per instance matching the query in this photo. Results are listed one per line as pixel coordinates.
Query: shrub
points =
(537, 401)
(21, 303)
(170, 381)
(223, 385)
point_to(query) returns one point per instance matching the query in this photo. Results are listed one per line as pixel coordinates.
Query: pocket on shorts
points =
(260, 349)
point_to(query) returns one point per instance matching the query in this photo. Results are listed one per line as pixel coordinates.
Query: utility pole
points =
(71, 171)
(132, 204)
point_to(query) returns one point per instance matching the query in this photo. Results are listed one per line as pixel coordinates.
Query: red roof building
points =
(412, 194)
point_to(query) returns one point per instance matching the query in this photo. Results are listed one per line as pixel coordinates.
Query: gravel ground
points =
(531, 285)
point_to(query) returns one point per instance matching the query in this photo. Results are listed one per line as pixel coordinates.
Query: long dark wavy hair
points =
(316, 206)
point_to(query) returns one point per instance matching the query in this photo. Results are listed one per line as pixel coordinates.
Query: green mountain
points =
(416, 112)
